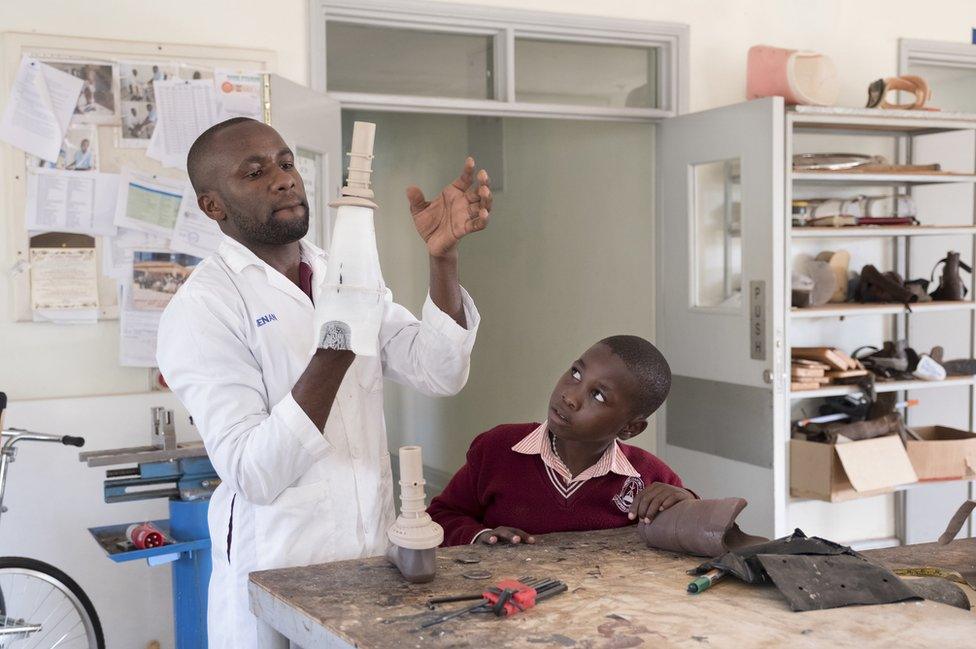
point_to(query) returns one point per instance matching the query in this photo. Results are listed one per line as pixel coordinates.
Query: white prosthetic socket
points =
(351, 299)
(414, 536)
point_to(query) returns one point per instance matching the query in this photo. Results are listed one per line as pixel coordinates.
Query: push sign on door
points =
(757, 320)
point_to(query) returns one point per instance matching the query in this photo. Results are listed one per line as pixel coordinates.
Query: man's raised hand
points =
(460, 209)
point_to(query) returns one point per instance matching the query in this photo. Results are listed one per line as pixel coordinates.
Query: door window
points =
(717, 234)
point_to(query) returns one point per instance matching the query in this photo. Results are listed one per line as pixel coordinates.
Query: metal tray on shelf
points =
(119, 549)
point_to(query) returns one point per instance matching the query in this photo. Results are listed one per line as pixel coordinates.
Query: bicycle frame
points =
(9, 437)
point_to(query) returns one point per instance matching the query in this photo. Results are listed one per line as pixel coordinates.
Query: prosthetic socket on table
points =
(706, 528)
(351, 299)
(414, 536)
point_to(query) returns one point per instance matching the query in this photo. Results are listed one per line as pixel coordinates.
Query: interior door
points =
(720, 297)
(311, 124)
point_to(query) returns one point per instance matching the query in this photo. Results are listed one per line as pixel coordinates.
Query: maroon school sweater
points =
(497, 486)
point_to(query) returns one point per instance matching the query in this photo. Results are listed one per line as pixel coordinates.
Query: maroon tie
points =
(305, 279)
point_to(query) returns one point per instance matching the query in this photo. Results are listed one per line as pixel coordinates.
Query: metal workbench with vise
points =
(621, 594)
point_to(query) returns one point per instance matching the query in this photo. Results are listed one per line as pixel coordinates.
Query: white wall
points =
(280, 26)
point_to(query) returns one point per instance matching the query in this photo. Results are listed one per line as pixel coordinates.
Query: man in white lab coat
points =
(295, 433)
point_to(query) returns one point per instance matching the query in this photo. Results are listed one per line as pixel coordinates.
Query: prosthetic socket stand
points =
(414, 535)
(349, 306)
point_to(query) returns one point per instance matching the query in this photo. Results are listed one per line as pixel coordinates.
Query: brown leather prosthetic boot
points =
(878, 287)
(705, 528)
(950, 285)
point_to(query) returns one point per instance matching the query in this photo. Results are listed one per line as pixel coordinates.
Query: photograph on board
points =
(79, 151)
(98, 99)
(193, 72)
(136, 79)
(156, 276)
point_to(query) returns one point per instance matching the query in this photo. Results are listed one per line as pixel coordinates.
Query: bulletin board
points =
(113, 153)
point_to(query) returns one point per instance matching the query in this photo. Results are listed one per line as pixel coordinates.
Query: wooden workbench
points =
(620, 595)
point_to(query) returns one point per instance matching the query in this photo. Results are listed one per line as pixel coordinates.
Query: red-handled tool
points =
(505, 598)
(509, 597)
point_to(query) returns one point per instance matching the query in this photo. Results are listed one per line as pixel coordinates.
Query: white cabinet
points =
(725, 249)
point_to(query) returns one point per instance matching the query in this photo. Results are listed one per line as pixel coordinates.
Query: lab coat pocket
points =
(369, 372)
(296, 528)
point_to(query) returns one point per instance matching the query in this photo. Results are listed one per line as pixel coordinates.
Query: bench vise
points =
(164, 469)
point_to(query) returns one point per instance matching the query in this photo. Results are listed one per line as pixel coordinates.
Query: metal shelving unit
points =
(875, 231)
(887, 386)
(903, 126)
(727, 419)
(846, 310)
(874, 180)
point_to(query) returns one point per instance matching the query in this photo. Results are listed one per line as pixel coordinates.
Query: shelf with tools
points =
(882, 179)
(884, 386)
(945, 208)
(796, 500)
(872, 231)
(846, 309)
(754, 235)
(878, 121)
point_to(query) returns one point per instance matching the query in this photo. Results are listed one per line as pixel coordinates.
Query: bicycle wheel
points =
(44, 608)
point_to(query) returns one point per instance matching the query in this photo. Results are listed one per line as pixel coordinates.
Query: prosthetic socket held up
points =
(350, 300)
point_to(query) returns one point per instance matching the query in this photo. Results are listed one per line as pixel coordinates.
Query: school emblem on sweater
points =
(632, 487)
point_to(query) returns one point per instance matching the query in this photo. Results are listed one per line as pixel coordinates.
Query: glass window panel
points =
(953, 88)
(717, 255)
(585, 74)
(390, 61)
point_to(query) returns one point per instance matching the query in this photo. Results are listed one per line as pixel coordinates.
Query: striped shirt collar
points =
(613, 459)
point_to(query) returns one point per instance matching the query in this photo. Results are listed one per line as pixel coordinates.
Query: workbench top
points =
(621, 594)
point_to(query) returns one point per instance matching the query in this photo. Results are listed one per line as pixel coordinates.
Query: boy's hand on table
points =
(500, 535)
(655, 499)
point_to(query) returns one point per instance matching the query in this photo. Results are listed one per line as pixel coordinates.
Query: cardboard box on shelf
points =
(944, 454)
(838, 472)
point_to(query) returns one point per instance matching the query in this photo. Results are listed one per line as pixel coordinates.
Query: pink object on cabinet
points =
(800, 77)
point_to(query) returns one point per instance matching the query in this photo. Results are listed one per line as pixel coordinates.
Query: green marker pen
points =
(707, 580)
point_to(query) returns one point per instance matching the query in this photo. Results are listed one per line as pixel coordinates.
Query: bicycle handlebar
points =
(14, 435)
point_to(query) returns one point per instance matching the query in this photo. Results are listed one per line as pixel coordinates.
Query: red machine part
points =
(145, 535)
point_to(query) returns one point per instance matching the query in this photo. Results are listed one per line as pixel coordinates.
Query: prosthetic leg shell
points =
(799, 77)
(705, 528)
(351, 300)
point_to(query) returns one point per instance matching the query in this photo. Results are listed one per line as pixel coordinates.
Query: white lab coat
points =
(232, 343)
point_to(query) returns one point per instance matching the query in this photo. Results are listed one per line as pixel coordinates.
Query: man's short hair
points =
(197, 165)
(648, 366)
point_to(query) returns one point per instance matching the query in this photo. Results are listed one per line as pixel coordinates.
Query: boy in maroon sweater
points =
(570, 473)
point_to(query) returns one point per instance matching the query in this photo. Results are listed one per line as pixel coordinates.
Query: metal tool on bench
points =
(181, 473)
(507, 597)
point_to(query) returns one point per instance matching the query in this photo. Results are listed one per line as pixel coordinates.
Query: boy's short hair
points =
(648, 366)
